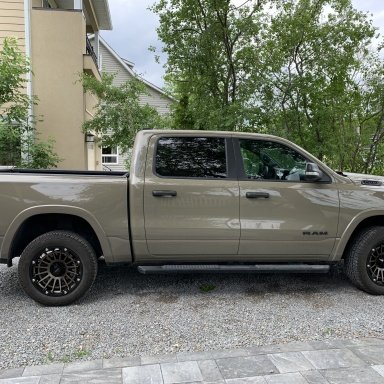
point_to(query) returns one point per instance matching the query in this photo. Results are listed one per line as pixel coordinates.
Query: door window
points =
(268, 160)
(197, 157)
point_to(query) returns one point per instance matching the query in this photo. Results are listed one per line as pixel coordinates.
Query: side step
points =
(211, 268)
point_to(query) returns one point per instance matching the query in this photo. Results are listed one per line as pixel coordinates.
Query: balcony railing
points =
(91, 52)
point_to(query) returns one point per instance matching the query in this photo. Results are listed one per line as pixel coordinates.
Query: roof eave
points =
(103, 14)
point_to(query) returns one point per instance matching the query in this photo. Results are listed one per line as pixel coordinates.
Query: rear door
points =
(191, 198)
(281, 213)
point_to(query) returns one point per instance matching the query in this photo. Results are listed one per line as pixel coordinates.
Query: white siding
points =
(12, 21)
(154, 98)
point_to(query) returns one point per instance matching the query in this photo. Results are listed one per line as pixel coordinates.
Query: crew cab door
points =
(282, 213)
(191, 198)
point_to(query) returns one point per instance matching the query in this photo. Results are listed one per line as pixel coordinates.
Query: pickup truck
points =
(193, 201)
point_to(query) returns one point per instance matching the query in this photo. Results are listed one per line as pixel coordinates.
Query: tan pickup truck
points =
(193, 201)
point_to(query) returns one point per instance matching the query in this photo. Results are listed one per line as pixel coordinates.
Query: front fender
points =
(350, 229)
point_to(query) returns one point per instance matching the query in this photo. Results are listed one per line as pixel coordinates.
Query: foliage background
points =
(307, 70)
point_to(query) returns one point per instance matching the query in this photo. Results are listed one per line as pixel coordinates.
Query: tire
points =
(364, 261)
(57, 268)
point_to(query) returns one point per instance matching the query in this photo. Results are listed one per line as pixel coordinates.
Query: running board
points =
(211, 268)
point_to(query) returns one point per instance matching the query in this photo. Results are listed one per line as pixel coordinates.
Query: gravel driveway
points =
(129, 314)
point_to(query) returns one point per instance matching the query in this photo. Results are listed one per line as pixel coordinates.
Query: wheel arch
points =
(35, 221)
(356, 225)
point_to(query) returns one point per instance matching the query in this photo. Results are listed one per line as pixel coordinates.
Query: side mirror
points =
(312, 172)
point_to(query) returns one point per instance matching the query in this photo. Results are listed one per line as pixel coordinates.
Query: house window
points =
(109, 155)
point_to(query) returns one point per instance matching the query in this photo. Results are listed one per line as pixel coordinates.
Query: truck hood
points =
(363, 179)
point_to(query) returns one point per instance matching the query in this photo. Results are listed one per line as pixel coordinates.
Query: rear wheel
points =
(57, 268)
(364, 261)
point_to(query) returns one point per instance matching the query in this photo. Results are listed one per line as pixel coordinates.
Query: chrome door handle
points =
(257, 195)
(164, 193)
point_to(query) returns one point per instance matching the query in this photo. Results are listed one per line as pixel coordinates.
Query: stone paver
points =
(184, 372)
(82, 366)
(314, 377)
(296, 346)
(145, 374)
(110, 375)
(334, 344)
(237, 367)
(370, 354)
(121, 362)
(290, 362)
(333, 358)
(158, 359)
(229, 353)
(38, 370)
(286, 378)
(369, 341)
(210, 371)
(50, 379)
(193, 356)
(358, 361)
(247, 380)
(21, 380)
(379, 369)
(9, 373)
(362, 375)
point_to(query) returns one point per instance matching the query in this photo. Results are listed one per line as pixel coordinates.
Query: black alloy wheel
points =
(57, 268)
(375, 264)
(56, 271)
(364, 260)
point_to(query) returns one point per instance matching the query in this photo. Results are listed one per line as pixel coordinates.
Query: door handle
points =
(164, 193)
(256, 195)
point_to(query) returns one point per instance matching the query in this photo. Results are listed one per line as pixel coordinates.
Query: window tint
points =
(191, 157)
(271, 161)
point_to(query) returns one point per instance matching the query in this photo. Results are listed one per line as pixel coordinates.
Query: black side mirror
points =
(312, 172)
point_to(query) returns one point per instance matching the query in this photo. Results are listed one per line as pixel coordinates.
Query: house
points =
(54, 35)
(111, 62)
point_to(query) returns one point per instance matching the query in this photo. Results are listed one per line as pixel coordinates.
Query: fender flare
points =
(56, 209)
(353, 224)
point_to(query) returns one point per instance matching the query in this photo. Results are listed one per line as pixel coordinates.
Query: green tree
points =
(119, 114)
(212, 50)
(324, 89)
(17, 125)
(303, 69)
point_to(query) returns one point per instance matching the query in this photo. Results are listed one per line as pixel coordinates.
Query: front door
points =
(281, 214)
(191, 198)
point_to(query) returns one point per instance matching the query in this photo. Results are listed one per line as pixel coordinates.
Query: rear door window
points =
(191, 157)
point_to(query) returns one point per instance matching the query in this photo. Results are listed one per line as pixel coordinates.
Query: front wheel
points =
(364, 261)
(57, 268)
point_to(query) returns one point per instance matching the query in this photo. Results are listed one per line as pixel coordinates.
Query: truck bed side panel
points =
(100, 200)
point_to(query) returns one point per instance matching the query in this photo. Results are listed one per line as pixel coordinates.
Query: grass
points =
(205, 288)
(82, 353)
(328, 331)
(70, 357)
(50, 357)
(66, 359)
